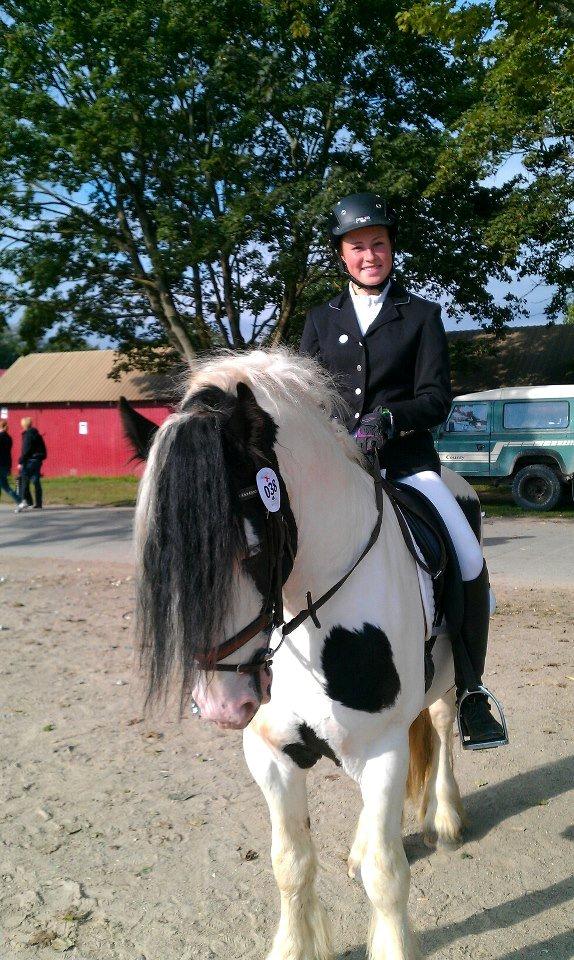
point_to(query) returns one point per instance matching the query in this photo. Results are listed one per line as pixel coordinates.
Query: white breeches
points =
(468, 550)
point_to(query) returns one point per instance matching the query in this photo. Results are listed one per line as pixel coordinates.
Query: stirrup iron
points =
(487, 744)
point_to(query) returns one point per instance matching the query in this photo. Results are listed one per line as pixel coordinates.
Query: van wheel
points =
(536, 487)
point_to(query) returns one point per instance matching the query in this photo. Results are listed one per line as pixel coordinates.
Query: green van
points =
(523, 436)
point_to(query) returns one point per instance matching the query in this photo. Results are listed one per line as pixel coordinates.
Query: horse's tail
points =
(420, 759)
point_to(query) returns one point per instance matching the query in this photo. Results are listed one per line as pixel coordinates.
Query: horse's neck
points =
(333, 501)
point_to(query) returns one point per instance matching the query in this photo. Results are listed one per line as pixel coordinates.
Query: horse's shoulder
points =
(359, 668)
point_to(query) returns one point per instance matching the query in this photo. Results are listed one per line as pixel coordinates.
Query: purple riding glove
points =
(375, 429)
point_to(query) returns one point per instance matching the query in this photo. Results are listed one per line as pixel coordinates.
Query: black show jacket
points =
(400, 363)
(5, 451)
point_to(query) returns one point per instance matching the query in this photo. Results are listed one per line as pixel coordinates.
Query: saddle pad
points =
(426, 588)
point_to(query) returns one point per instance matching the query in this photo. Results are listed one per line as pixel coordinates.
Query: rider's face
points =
(368, 255)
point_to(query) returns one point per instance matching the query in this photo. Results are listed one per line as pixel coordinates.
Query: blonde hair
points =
(26, 422)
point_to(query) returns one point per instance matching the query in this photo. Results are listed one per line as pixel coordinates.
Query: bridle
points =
(277, 542)
(270, 617)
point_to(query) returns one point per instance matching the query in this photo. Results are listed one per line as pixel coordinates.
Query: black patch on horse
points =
(310, 749)
(470, 506)
(359, 669)
(466, 498)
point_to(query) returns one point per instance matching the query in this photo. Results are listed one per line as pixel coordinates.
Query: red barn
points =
(74, 404)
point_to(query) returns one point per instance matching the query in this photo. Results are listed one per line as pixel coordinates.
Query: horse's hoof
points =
(430, 839)
(449, 840)
(353, 866)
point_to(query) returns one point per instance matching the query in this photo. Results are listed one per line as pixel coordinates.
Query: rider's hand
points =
(375, 429)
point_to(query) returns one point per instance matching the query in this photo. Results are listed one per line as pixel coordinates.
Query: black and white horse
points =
(251, 487)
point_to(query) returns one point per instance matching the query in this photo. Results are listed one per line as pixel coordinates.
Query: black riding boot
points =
(478, 728)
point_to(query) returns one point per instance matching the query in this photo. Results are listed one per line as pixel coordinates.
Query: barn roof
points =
(524, 356)
(79, 376)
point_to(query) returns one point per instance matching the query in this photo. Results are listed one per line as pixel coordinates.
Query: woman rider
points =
(389, 350)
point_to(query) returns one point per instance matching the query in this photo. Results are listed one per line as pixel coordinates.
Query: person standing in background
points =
(6, 460)
(31, 458)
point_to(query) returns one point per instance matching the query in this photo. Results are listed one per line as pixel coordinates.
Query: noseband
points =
(280, 555)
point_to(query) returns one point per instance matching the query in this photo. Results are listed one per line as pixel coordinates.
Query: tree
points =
(11, 347)
(519, 57)
(166, 167)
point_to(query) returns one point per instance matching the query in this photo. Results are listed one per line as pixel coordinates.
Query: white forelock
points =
(278, 375)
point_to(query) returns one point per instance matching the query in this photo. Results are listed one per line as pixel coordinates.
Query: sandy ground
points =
(123, 838)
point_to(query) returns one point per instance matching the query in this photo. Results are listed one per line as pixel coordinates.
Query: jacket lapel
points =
(396, 296)
(343, 314)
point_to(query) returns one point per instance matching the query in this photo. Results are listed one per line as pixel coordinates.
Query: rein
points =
(270, 616)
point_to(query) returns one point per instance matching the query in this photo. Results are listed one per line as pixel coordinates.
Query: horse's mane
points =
(279, 376)
(277, 372)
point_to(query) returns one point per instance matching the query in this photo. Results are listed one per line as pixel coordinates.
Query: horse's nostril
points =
(249, 709)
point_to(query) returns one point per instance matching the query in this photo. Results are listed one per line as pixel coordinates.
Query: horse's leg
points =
(359, 846)
(304, 930)
(384, 868)
(441, 810)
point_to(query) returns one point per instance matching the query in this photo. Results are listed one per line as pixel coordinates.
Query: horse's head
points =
(211, 556)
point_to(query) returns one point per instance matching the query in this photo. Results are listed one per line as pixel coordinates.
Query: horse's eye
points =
(253, 549)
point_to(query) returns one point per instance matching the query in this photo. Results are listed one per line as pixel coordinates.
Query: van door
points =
(464, 441)
(530, 428)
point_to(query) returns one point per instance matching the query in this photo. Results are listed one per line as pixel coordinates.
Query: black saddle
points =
(418, 517)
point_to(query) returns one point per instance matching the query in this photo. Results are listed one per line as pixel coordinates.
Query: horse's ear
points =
(138, 429)
(249, 423)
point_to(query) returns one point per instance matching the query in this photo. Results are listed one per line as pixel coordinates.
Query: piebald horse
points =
(253, 505)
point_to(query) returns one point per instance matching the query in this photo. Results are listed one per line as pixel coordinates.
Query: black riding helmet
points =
(360, 210)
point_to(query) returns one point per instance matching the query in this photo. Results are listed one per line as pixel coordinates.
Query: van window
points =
(536, 415)
(468, 418)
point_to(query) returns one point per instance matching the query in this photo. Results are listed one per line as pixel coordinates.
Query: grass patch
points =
(122, 492)
(498, 502)
(90, 491)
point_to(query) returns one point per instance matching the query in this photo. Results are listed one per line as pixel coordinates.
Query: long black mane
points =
(189, 530)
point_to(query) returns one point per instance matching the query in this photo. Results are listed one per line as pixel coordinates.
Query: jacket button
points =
(358, 391)
(343, 338)
(359, 367)
(357, 415)
(360, 343)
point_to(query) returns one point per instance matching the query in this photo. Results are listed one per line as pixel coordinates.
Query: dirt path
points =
(123, 838)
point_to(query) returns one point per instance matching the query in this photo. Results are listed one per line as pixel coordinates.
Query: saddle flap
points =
(434, 541)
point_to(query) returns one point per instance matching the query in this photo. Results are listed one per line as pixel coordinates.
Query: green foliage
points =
(467, 355)
(11, 347)
(519, 59)
(166, 167)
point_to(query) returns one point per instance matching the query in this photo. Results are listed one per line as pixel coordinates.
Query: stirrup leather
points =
(467, 744)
